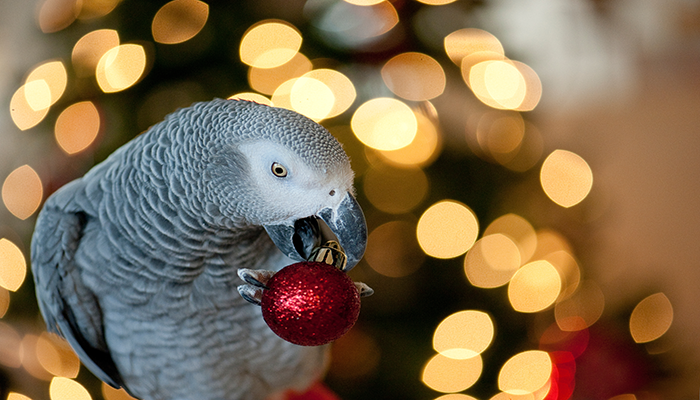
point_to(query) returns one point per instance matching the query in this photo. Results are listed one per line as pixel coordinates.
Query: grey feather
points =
(135, 263)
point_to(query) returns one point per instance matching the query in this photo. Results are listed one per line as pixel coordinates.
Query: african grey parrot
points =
(137, 263)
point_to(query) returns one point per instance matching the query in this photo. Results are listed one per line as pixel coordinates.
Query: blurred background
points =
(526, 168)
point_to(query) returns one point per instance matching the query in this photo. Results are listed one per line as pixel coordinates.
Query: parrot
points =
(145, 264)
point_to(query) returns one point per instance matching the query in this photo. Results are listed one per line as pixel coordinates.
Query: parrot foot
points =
(364, 290)
(251, 294)
(256, 280)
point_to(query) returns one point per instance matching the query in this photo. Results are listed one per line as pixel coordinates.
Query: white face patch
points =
(289, 187)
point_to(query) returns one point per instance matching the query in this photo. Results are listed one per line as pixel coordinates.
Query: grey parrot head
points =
(272, 167)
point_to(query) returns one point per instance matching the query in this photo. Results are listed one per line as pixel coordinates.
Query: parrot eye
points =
(279, 170)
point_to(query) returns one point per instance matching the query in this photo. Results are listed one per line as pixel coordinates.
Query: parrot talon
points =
(365, 291)
(256, 277)
(251, 294)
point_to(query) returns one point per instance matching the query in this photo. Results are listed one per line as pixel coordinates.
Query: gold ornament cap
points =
(330, 253)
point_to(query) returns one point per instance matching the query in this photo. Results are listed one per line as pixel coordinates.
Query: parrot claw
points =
(364, 290)
(251, 294)
(256, 277)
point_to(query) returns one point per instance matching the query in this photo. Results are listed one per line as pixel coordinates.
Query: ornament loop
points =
(330, 253)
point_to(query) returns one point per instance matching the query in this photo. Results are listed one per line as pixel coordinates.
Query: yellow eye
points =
(279, 170)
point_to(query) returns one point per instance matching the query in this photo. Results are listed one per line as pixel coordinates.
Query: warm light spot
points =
(423, 149)
(651, 318)
(267, 80)
(23, 114)
(509, 396)
(444, 374)
(469, 61)
(437, 2)
(627, 396)
(392, 249)
(548, 242)
(56, 356)
(569, 271)
(349, 26)
(384, 124)
(447, 229)
(77, 127)
(533, 86)
(282, 96)
(14, 266)
(395, 190)
(38, 94)
(254, 97)
(455, 396)
(355, 355)
(55, 15)
(22, 192)
(525, 372)
(558, 342)
(11, 343)
(269, 44)
(500, 134)
(17, 396)
(566, 178)
(519, 230)
(464, 334)
(364, 2)
(529, 152)
(67, 389)
(90, 48)
(54, 74)
(121, 67)
(110, 393)
(311, 97)
(29, 359)
(498, 84)
(4, 298)
(582, 309)
(534, 287)
(464, 42)
(179, 21)
(97, 8)
(414, 76)
(492, 261)
(340, 85)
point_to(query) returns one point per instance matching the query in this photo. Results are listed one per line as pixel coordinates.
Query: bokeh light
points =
(464, 334)
(22, 112)
(121, 67)
(455, 396)
(525, 372)
(395, 190)
(364, 2)
(349, 26)
(534, 287)
(67, 389)
(91, 9)
(500, 133)
(464, 42)
(22, 192)
(55, 15)
(56, 356)
(90, 48)
(529, 152)
(17, 396)
(533, 87)
(269, 44)
(29, 358)
(423, 149)
(267, 80)
(392, 249)
(436, 2)
(11, 342)
(384, 124)
(568, 269)
(110, 393)
(517, 229)
(498, 84)
(626, 396)
(311, 97)
(582, 309)
(341, 87)
(77, 127)
(492, 261)
(4, 298)
(254, 97)
(548, 242)
(566, 178)
(414, 76)
(14, 265)
(447, 229)
(354, 356)
(54, 74)
(651, 318)
(447, 375)
(179, 21)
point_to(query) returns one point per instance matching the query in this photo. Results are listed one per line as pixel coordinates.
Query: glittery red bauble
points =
(310, 303)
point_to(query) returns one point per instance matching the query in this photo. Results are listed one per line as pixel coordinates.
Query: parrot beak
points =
(345, 224)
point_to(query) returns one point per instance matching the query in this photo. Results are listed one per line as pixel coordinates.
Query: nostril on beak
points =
(332, 193)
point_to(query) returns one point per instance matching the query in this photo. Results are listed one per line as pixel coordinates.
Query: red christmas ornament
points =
(310, 303)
